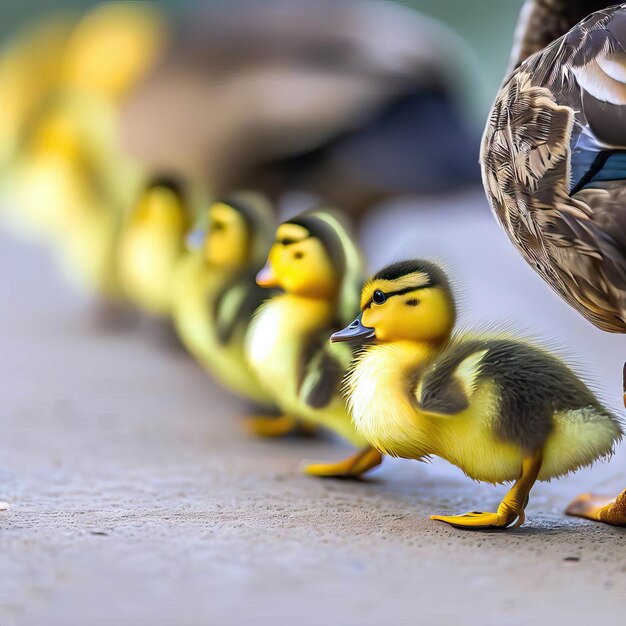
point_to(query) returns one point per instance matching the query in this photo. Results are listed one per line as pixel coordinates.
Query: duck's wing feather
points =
(448, 385)
(554, 165)
(526, 387)
(234, 307)
(323, 366)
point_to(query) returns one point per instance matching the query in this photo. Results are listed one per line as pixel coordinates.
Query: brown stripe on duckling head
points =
(412, 266)
(171, 182)
(319, 229)
(406, 276)
(257, 213)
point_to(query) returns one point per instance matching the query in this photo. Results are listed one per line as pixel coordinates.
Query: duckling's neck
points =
(303, 314)
(380, 395)
(421, 352)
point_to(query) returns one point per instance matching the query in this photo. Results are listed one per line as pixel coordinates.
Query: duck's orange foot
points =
(600, 509)
(271, 427)
(476, 520)
(352, 467)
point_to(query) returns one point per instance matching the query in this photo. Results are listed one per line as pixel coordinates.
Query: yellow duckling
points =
(152, 244)
(30, 64)
(68, 176)
(215, 294)
(317, 267)
(500, 409)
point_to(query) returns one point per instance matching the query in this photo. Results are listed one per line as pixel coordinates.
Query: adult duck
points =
(554, 166)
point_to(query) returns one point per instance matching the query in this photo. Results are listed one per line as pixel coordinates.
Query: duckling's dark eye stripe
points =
(400, 292)
(286, 241)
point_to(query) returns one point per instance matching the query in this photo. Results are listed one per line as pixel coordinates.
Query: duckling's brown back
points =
(532, 387)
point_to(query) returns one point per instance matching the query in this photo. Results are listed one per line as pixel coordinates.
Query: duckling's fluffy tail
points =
(580, 437)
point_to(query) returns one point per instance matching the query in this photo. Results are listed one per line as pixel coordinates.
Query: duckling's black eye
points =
(298, 255)
(216, 225)
(379, 297)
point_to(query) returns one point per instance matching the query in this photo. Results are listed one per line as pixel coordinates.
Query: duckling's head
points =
(132, 33)
(235, 232)
(406, 301)
(313, 256)
(163, 204)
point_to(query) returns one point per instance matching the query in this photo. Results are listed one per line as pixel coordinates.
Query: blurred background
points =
(486, 25)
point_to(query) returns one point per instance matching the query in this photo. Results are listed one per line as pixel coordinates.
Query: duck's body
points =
(554, 165)
(214, 291)
(283, 339)
(151, 244)
(206, 300)
(403, 398)
(59, 192)
(499, 409)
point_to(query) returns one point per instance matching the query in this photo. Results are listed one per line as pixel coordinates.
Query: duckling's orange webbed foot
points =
(478, 520)
(510, 513)
(272, 427)
(600, 509)
(352, 467)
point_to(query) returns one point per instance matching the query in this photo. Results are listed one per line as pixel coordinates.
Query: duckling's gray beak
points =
(355, 331)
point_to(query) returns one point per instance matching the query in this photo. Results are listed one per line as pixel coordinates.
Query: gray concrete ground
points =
(135, 498)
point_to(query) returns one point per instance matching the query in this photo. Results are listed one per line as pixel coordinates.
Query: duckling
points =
(30, 64)
(215, 293)
(554, 166)
(68, 175)
(151, 245)
(317, 266)
(499, 409)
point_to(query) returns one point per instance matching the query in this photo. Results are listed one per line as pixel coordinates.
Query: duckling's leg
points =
(352, 467)
(600, 509)
(512, 506)
(264, 426)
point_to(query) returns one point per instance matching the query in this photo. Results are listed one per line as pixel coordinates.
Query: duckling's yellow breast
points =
(382, 401)
(148, 257)
(196, 290)
(274, 346)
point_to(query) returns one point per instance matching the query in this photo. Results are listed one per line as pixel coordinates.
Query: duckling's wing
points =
(448, 385)
(554, 165)
(323, 367)
(235, 306)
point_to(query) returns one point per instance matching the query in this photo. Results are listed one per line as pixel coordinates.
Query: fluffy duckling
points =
(68, 176)
(215, 293)
(500, 409)
(30, 64)
(554, 166)
(317, 267)
(151, 246)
